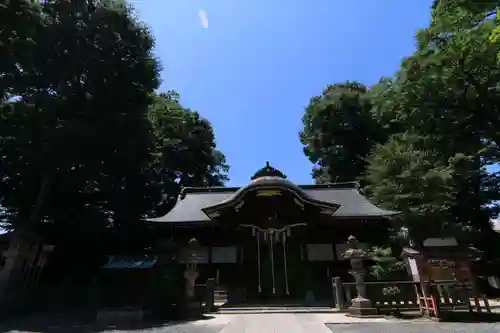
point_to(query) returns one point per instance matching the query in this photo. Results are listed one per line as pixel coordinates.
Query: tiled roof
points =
(352, 203)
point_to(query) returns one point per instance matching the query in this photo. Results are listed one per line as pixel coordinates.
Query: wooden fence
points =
(406, 299)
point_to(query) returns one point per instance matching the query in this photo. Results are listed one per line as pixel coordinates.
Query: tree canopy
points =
(440, 118)
(339, 130)
(87, 145)
(185, 152)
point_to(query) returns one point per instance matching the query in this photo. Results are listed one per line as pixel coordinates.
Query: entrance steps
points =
(220, 295)
(265, 306)
(285, 308)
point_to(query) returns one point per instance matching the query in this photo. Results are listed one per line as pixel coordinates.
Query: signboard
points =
(224, 254)
(320, 252)
(438, 269)
(193, 256)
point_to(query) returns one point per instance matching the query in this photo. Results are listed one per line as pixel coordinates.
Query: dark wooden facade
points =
(272, 239)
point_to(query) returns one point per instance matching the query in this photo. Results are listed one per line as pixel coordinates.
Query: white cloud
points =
(203, 18)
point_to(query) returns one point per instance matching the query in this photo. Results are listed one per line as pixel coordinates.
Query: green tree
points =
(339, 131)
(78, 128)
(447, 93)
(89, 127)
(385, 263)
(405, 176)
(74, 127)
(495, 33)
(88, 149)
(457, 63)
(20, 20)
(185, 150)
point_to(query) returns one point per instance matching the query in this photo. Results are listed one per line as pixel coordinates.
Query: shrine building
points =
(271, 239)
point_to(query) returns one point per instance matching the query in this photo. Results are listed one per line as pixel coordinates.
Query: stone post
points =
(338, 294)
(360, 306)
(209, 294)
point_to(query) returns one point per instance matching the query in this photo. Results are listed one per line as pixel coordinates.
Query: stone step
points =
(275, 309)
(220, 299)
(220, 294)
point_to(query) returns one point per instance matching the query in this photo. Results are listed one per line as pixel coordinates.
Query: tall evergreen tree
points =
(443, 105)
(79, 136)
(339, 132)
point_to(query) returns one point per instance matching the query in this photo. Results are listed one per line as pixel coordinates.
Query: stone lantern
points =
(191, 272)
(193, 307)
(361, 305)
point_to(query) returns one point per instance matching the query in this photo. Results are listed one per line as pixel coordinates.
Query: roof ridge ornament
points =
(268, 171)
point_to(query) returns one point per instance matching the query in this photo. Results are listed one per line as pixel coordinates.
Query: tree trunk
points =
(20, 246)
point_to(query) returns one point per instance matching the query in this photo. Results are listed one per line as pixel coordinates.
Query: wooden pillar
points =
(306, 264)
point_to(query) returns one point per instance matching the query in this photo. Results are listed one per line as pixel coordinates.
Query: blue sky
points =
(255, 67)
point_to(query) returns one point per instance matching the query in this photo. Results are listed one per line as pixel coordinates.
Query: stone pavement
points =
(217, 323)
(415, 327)
(275, 323)
(287, 322)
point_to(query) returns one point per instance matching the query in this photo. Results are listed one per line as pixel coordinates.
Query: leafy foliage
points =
(185, 150)
(385, 263)
(331, 137)
(440, 117)
(415, 183)
(86, 145)
(453, 80)
(77, 124)
(391, 290)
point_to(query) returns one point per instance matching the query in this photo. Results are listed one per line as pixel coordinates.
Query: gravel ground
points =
(415, 327)
(255, 323)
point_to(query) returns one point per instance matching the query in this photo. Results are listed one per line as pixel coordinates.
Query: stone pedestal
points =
(190, 274)
(192, 307)
(361, 306)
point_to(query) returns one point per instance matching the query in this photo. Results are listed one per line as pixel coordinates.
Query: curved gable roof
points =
(270, 182)
(352, 204)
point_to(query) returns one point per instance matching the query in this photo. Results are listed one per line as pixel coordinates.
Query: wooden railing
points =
(407, 297)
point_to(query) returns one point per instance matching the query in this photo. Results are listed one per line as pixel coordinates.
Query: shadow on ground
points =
(77, 323)
(467, 317)
(457, 316)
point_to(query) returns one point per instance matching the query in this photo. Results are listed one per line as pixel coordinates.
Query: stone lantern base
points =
(194, 309)
(362, 307)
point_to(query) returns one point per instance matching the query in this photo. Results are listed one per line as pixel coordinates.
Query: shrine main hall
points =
(271, 239)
